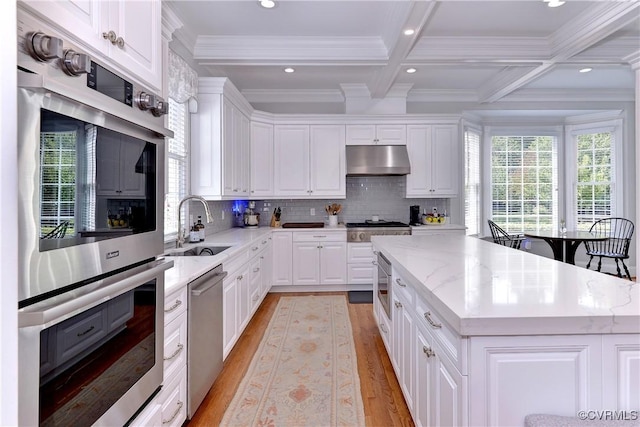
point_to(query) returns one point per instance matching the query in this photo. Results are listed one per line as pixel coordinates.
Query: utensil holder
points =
(333, 220)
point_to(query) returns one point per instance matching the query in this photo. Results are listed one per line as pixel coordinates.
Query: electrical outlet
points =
(312, 211)
(222, 214)
(265, 209)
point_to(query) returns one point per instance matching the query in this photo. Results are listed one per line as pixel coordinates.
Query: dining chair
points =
(619, 232)
(503, 238)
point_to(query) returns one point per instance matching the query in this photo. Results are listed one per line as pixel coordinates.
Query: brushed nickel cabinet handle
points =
(399, 282)
(435, 325)
(175, 353)
(173, 307)
(175, 414)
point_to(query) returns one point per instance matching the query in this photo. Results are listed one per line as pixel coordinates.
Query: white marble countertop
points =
(188, 268)
(445, 226)
(481, 288)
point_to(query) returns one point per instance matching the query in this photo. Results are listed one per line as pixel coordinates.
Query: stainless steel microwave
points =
(91, 167)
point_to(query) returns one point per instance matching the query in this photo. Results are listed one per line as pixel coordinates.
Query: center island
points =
(481, 334)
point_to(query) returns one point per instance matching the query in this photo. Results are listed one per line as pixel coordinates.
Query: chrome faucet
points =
(180, 240)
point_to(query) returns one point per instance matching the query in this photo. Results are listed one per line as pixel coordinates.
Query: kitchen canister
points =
(333, 220)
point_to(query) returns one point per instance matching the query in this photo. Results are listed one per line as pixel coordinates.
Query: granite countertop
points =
(481, 288)
(188, 268)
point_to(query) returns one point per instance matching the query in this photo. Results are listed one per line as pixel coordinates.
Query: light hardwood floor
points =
(381, 394)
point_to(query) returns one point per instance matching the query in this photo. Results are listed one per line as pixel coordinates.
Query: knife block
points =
(274, 222)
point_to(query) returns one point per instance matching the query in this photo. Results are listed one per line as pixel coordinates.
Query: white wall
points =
(9, 223)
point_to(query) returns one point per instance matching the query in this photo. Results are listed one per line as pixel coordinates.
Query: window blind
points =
(472, 181)
(177, 166)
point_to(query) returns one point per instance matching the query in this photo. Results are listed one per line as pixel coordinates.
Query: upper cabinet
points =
(220, 134)
(261, 158)
(433, 153)
(309, 161)
(391, 134)
(124, 34)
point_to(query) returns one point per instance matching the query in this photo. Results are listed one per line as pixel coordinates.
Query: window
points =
(595, 173)
(177, 167)
(58, 178)
(523, 182)
(472, 181)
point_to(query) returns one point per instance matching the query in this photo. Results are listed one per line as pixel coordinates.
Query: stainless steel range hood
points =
(377, 160)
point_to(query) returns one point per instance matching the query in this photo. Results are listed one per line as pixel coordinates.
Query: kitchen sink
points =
(199, 251)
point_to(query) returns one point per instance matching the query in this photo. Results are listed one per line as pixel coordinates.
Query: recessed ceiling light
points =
(411, 70)
(289, 70)
(554, 3)
(585, 70)
(409, 32)
(267, 4)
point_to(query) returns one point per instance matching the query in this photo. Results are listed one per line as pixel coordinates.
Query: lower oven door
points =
(93, 356)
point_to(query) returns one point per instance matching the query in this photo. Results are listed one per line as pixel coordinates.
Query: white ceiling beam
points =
(593, 26)
(418, 16)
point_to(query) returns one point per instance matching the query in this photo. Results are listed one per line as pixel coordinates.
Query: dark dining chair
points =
(619, 232)
(503, 238)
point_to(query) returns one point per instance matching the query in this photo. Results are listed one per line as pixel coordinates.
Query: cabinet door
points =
(449, 393)
(407, 373)
(228, 148)
(291, 154)
(391, 134)
(255, 283)
(266, 266)
(419, 149)
(206, 147)
(423, 350)
(282, 258)
(306, 263)
(327, 161)
(261, 159)
(175, 346)
(621, 356)
(229, 313)
(244, 298)
(241, 154)
(139, 25)
(361, 134)
(333, 263)
(444, 164)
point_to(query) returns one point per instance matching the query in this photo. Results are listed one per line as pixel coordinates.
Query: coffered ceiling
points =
(479, 51)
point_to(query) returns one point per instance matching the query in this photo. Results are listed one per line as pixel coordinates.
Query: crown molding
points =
(570, 95)
(480, 49)
(614, 51)
(170, 22)
(293, 95)
(600, 116)
(633, 59)
(224, 86)
(442, 95)
(257, 50)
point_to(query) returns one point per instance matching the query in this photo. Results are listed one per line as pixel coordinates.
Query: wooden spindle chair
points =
(619, 232)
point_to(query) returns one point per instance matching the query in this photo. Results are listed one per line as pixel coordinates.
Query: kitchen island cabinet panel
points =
(621, 353)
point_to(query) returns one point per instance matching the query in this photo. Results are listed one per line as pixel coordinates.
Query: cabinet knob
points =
(398, 304)
(399, 282)
(435, 325)
(120, 42)
(111, 36)
(255, 270)
(240, 277)
(428, 351)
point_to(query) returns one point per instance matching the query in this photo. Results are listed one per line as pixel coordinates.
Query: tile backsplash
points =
(366, 196)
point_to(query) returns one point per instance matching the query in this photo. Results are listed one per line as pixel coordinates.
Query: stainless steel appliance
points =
(94, 355)
(205, 346)
(362, 231)
(91, 185)
(365, 160)
(414, 215)
(91, 167)
(384, 283)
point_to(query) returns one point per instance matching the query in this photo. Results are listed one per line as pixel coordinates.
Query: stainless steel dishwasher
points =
(204, 342)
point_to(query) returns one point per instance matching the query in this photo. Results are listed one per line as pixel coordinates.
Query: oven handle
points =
(55, 314)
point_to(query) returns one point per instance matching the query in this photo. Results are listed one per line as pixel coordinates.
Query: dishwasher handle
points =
(206, 282)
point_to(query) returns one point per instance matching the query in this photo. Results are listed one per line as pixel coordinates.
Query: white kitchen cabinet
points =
(175, 345)
(229, 313)
(116, 174)
(220, 134)
(261, 158)
(266, 268)
(360, 263)
(173, 400)
(403, 338)
(309, 161)
(449, 392)
(319, 258)
(282, 258)
(135, 26)
(389, 134)
(621, 354)
(433, 153)
(255, 284)
(424, 356)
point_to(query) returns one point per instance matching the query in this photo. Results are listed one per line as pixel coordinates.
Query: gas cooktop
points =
(380, 223)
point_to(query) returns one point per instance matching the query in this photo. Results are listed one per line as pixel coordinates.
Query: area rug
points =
(305, 371)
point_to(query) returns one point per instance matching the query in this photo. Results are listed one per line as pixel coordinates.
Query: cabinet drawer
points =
(175, 345)
(360, 273)
(453, 344)
(401, 288)
(175, 304)
(360, 253)
(173, 399)
(235, 263)
(316, 236)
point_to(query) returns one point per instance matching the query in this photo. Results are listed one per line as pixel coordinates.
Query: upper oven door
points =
(90, 192)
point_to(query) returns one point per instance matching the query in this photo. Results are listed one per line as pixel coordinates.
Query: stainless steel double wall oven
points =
(91, 291)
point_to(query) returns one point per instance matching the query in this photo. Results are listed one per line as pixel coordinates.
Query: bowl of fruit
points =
(434, 219)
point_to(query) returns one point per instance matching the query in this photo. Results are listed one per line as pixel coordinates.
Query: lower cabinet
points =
(282, 261)
(173, 400)
(319, 258)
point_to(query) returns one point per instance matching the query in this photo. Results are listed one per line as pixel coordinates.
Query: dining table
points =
(564, 244)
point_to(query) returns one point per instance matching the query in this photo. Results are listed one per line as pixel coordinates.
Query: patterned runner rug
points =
(305, 371)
